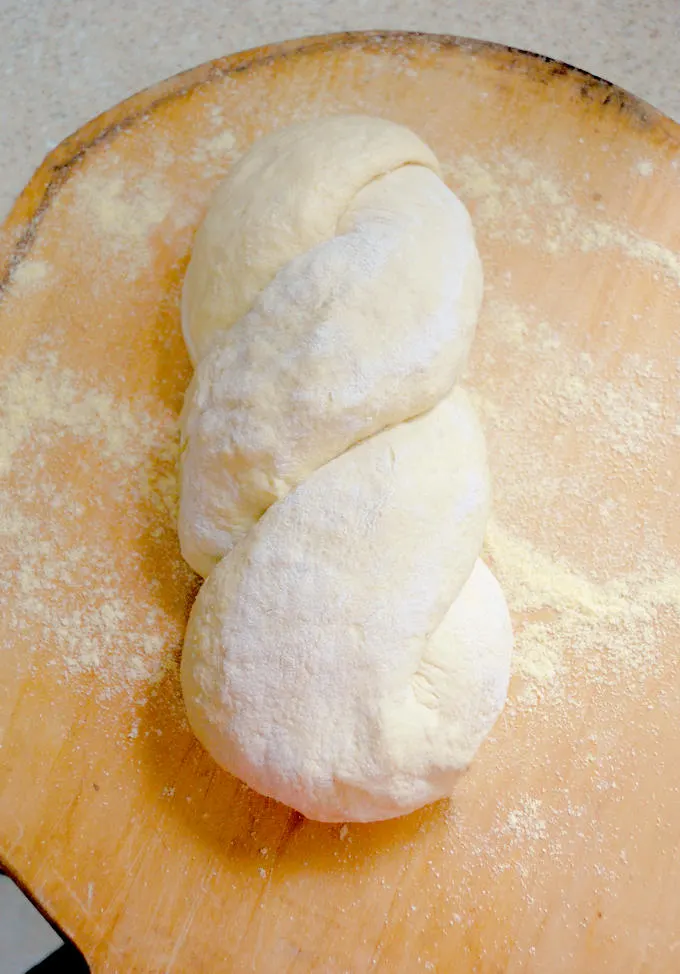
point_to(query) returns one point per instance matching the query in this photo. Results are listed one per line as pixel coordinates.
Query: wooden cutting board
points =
(560, 849)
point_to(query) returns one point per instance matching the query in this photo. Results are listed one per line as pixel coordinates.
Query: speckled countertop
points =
(63, 63)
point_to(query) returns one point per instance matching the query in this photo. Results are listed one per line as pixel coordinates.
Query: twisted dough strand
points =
(348, 651)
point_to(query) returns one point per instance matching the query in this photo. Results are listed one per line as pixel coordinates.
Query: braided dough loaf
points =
(348, 652)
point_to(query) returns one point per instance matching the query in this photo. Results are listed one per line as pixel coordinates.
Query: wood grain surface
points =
(560, 850)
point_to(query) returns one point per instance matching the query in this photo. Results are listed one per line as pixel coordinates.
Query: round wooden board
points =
(560, 850)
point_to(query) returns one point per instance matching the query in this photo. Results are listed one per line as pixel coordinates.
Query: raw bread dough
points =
(348, 652)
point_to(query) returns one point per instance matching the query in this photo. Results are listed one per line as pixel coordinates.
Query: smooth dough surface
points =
(348, 652)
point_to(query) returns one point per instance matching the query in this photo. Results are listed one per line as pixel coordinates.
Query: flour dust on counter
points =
(130, 445)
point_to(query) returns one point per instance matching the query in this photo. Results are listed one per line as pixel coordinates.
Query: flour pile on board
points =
(513, 199)
(611, 622)
(124, 212)
(61, 571)
(526, 821)
(613, 628)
